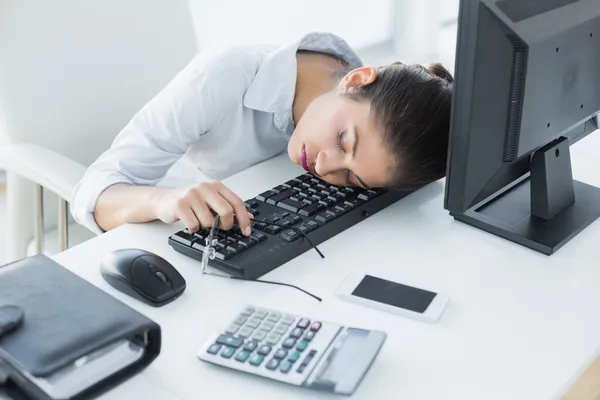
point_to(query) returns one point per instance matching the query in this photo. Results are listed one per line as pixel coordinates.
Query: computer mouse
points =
(142, 275)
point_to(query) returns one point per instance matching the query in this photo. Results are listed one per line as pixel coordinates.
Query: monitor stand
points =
(543, 211)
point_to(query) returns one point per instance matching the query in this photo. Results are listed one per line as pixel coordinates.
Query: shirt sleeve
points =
(156, 137)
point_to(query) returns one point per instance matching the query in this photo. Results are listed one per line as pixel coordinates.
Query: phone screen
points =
(394, 294)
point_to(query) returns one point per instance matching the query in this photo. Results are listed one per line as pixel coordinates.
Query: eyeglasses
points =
(210, 253)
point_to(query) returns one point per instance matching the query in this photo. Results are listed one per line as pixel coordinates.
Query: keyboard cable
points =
(209, 253)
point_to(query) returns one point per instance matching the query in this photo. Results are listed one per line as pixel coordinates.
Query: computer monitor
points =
(527, 86)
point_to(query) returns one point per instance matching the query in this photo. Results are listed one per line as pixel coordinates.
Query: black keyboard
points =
(285, 216)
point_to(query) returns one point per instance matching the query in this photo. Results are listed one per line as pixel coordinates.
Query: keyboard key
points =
(312, 224)
(289, 343)
(214, 348)
(353, 203)
(315, 326)
(291, 205)
(242, 356)
(280, 196)
(264, 349)
(294, 357)
(303, 323)
(288, 319)
(256, 359)
(290, 235)
(250, 346)
(259, 335)
(258, 237)
(296, 333)
(273, 229)
(233, 328)
(286, 366)
(245, 332)
(274, 317)
(280, 354)
(280, 188)
(183, 238)
(267, 325)
(230, 341)
(254, 322)
(292, 183)
(272, 364)
(224, 254)
(266, 195)
(258, 225)
(309, 336)
(227, 352)
(344, 207)
(303, 228)
(302, 345)
(311, 210)
(247, 311)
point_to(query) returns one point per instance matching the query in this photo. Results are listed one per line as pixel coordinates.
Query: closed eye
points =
(340, 137)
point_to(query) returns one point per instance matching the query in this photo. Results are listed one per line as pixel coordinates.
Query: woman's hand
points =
(196, 206)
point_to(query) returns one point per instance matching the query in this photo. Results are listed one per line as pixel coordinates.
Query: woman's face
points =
(337, 140)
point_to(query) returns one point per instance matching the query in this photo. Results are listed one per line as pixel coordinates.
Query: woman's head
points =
(382, 127)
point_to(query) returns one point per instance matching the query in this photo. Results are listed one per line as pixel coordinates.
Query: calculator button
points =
(248, 310)
(260, 314)
(315, 326)
(233, 328)
(288, 319)
(296, 333)
(302, 345)
(251, 346)
(289, 343)
(256, 359)
(273, 338)
(246, 332)
(214, 349)
(273, 364)
(303, 323)
(273, 317)
(280, 329)
(253, 323)
(280, 354)
(264, 349)
(309, 336)
(243, 356)
(259, 335)
(286, 366)
(267, 326)
(301, 368)
(241, 319)
(231, 341)
(294, 357)
(227, 352)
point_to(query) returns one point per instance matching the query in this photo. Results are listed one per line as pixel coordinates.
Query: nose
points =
(329, 162)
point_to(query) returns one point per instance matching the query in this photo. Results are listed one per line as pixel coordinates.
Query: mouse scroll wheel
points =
(158, 273)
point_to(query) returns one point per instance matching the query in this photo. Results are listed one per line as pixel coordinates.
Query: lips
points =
(304, 160)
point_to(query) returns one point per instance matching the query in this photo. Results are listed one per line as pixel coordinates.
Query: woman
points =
(227, 110)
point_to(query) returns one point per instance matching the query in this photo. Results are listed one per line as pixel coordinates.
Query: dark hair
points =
(412, 104)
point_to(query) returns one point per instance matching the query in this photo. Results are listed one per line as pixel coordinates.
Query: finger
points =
(203, 214)
(242, 215)
(220, 205)
(187, 216)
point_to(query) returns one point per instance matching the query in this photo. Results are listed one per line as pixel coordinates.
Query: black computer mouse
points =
(142, 275)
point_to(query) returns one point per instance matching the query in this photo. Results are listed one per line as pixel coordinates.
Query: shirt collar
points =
(273, 87)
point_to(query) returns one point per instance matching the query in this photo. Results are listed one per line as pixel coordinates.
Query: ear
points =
(362, 76)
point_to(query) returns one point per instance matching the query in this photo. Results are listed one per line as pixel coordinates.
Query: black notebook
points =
(75, 341)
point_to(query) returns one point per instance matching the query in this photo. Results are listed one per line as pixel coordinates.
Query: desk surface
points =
(520, 325)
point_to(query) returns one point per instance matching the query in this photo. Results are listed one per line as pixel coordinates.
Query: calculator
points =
(294, 349)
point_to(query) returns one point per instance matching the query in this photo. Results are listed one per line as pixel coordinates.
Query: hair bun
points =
(438, 70)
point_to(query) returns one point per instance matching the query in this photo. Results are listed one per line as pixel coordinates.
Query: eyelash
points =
(339, 140)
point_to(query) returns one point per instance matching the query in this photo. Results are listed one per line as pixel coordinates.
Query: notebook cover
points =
(66, 317)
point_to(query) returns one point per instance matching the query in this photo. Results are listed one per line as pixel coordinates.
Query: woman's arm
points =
(119, 186)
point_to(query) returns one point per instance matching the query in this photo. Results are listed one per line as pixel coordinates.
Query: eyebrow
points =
(365, 186)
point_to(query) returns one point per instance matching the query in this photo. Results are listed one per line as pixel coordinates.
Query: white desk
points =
(520, 325)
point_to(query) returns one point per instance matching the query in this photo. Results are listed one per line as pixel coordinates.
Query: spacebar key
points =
(291, 205)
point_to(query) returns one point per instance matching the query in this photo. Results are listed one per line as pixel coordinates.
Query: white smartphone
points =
(397, 298)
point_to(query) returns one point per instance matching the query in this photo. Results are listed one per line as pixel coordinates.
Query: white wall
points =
(361, 23)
